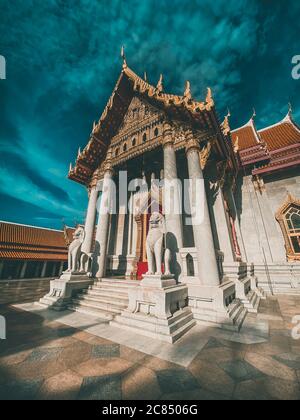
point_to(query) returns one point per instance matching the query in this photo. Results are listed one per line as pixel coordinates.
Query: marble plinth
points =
(217, 306)
(157, 308)
(63, 289)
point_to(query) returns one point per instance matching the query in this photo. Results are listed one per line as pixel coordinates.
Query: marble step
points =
(105, 292)
(181, 323)
(110, 303)
(94, 305)
(110, 297)
(237, 314)
(105, 315)
(109, 287)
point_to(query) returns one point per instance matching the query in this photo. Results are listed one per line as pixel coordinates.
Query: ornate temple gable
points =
(201, 115)
(140, 131)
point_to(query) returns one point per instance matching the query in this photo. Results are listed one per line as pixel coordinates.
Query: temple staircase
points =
(105, 299)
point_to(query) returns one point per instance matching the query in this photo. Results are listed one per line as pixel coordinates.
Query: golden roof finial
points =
(70, 168)
(123, 56)
(187, 93)
(145, 76)
(209, 99)
(254, 114)
(290, 109)
(225, 125)
(236, 146)
(159, 85)
(79, 153)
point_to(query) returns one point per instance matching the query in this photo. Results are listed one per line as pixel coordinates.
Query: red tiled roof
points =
(281, 135)
(246, 136)
(32, 243)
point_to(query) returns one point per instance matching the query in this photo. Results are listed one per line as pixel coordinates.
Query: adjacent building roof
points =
(269, 149)
(33, 243)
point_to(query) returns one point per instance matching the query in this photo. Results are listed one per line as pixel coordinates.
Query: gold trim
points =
(280, 217)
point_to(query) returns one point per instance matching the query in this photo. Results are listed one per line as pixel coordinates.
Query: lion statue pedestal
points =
(158, 305)
(76, 278)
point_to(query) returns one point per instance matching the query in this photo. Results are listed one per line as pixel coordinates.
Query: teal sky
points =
(63, 59)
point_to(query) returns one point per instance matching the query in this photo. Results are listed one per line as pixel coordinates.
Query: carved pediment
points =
(139, 114)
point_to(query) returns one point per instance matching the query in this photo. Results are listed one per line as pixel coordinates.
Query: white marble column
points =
(23, 270)
(172, 202)
(44, 269)
(90, 221)
(203, 237)
(103, 226)
(222, 225)
(61, 268)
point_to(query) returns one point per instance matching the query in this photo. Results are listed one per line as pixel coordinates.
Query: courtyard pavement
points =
(47, 358)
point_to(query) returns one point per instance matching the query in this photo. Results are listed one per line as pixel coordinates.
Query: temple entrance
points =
(153, 202)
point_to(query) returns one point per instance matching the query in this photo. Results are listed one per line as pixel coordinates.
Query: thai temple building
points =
(247, 243)
(28, 252)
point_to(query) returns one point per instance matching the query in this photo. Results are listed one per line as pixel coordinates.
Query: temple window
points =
(133, 142)
(116, 152)
(144, 137)
(156, 132)
(288, 217)
(190, 265)
(125, 147)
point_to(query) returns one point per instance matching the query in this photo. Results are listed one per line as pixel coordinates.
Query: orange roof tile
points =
(246, 136)
(29, 242)
(280, 135)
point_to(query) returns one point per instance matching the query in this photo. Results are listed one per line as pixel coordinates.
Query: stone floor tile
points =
(76, 354)
(178, 380)
(212, 378)
(251, 391)
(101, 351)
(64, 386)
(289, 359)
(102, 367)
(270, 367)
(14, 358)
(241, 371)
(101, 388)
(281, 389)
(155, 363)
(20, 389)
(132, 355)
(140, 383)
(44, 355)
(220, 355)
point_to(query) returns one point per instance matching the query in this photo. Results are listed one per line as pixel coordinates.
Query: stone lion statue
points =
(78, 261)
(155, 246)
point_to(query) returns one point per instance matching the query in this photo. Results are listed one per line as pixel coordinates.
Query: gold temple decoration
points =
(124, 57)
(288, 217)
(187, 93)
(159, 86)
(258, 183)
(236, 146)
(204, 154)
(225, 125)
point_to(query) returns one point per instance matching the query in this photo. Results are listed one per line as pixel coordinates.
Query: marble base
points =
(157, 308)
(63, 289)
(279, 278)
(246, 289)
(217, 306)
